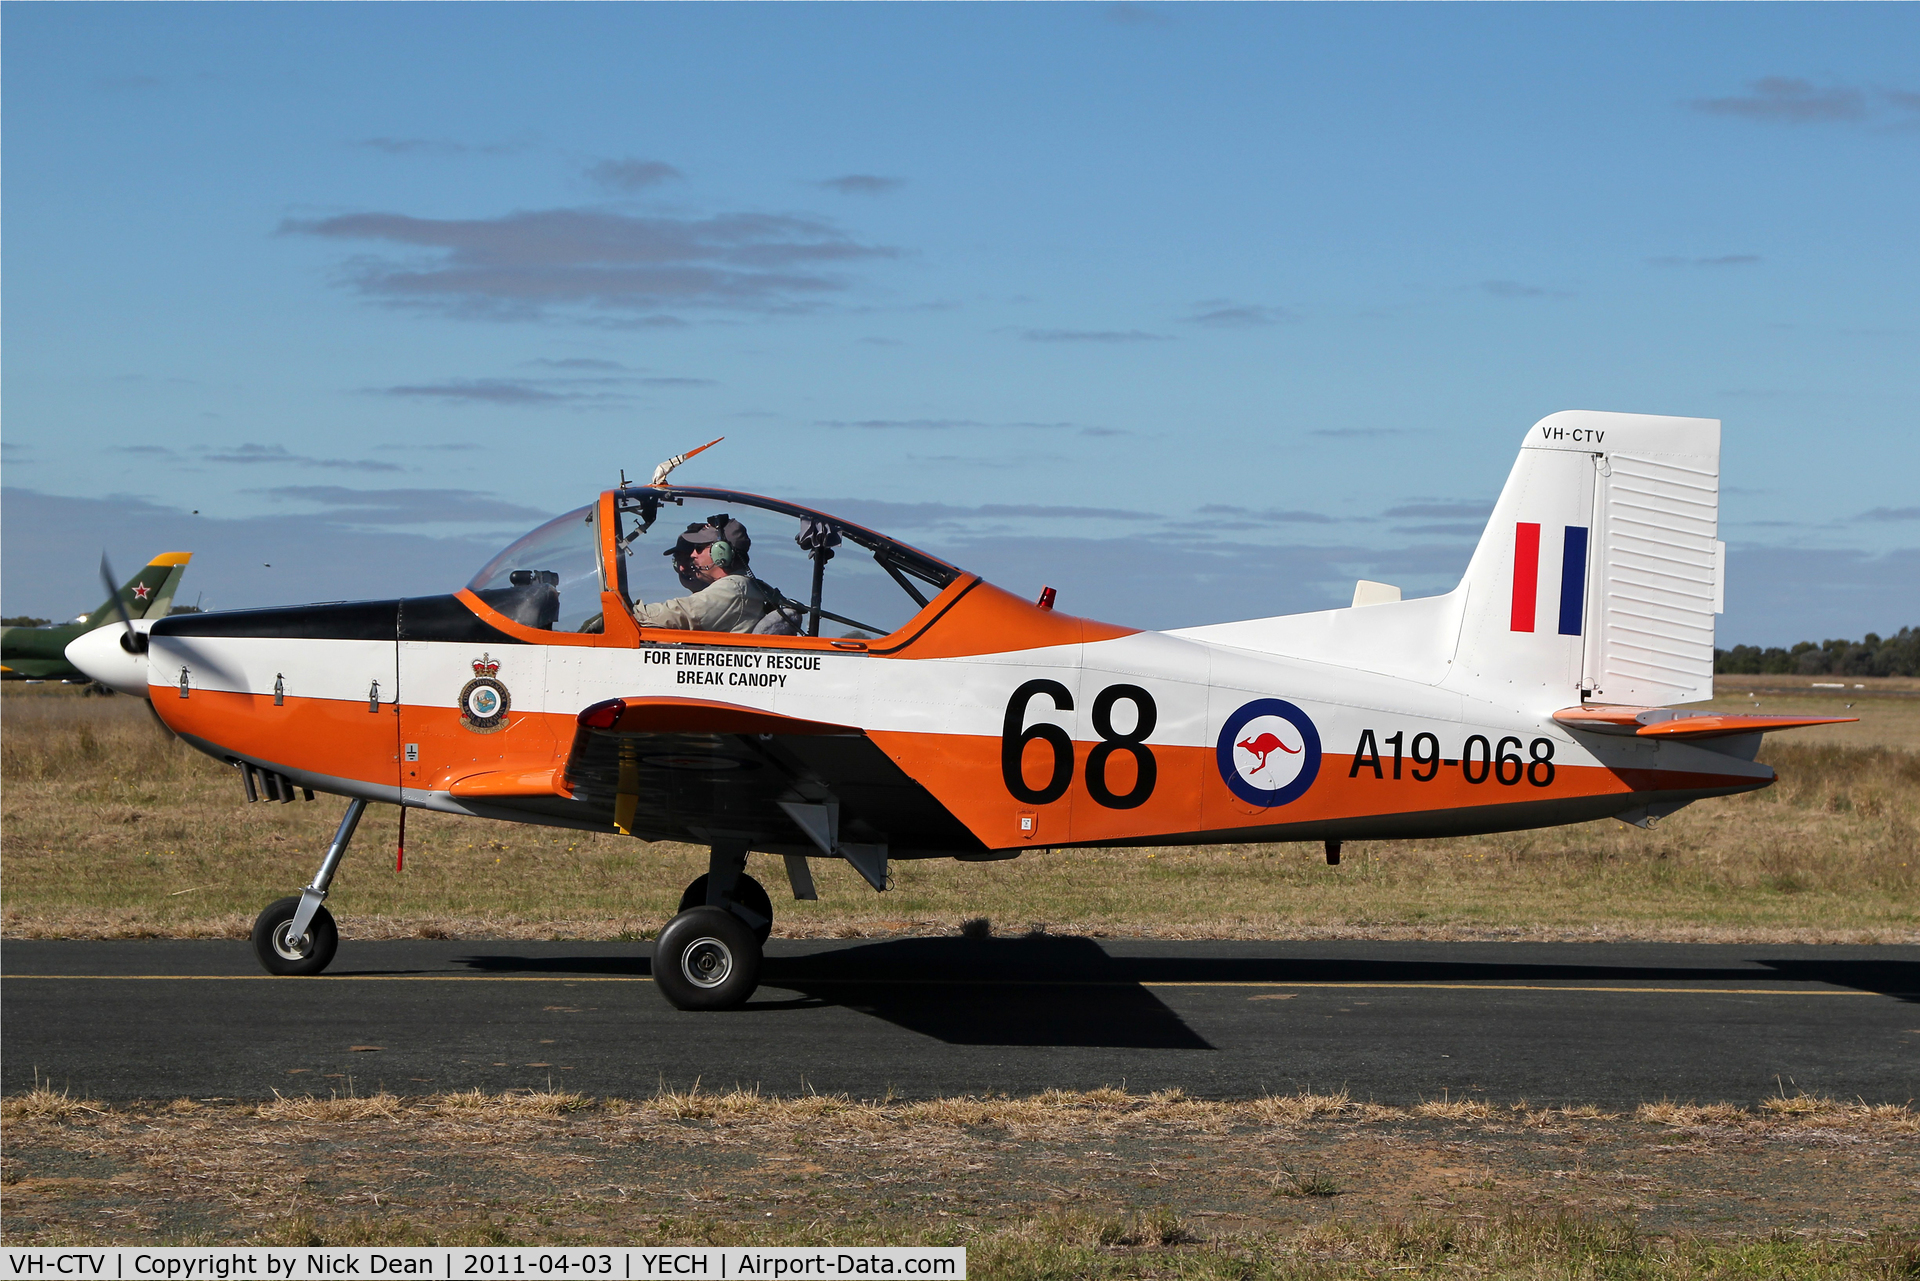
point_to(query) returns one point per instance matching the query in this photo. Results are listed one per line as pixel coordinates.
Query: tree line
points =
(1897, 655)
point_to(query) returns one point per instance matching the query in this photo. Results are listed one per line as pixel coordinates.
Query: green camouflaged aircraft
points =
(40, 653)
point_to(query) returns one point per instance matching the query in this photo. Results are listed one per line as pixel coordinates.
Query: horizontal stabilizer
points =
(1665, 722)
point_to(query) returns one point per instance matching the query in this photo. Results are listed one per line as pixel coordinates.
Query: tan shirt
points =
(735, 603)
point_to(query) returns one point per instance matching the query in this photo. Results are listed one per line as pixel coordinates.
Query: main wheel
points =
(706, 959)
(280, 953)
(747, 892)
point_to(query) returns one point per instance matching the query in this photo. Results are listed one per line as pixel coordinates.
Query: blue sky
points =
(1192, 312)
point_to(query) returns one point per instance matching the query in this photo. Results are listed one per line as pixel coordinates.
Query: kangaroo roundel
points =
(1269, 752)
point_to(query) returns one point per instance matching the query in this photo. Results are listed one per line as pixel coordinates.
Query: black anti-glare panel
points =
(337, 620)
(444, 618)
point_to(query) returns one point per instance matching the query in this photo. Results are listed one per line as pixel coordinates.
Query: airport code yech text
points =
(706, 1263)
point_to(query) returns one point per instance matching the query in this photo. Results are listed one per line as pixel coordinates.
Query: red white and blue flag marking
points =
(1526, 577)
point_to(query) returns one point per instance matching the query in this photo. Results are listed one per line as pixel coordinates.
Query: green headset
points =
(725, 553)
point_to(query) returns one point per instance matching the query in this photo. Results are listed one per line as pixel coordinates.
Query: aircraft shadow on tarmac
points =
(1033, 991)
(1067, 991)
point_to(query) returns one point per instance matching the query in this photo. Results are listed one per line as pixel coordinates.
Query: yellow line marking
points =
(1571, 985)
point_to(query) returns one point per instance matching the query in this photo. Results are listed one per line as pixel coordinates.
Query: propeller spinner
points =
(114, 656)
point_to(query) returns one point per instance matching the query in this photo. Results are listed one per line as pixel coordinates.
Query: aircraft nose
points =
(100, 655)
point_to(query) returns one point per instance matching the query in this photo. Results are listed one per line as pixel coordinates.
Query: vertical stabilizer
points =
(137, 596)
(1600, 571)
(163, 596)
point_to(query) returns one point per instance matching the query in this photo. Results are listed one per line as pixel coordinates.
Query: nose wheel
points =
(281, 951)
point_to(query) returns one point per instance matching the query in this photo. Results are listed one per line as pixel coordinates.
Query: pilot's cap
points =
(715, 529)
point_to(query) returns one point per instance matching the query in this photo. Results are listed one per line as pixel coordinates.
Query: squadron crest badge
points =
(484, 701)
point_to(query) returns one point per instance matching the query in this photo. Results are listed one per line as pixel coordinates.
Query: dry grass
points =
(1070, 1184)
(1783, 1109)
(473, 1103)
(1683, 1114)
(114, 831)
(1454, 1109)
(1050, 1113)
(333, 1109)
(42, 1103)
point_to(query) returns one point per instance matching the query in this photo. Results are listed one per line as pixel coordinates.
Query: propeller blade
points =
(131, 640)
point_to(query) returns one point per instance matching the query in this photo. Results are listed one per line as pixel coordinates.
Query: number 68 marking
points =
(1014, 739)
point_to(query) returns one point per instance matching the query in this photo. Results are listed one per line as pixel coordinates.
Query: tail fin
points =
(144, 590)
(163, 597)
(1600, 572)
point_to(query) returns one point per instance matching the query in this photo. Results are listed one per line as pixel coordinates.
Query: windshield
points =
(550, 578)
(832, 578)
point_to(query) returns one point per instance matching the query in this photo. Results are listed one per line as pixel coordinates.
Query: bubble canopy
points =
(834, 577)
(831, 577)
(548, 578)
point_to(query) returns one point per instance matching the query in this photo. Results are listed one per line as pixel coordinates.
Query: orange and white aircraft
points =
(893, 706)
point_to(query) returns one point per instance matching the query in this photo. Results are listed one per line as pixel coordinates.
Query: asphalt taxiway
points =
(1607, 1023)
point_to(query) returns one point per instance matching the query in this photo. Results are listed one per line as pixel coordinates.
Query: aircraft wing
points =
(690, 769)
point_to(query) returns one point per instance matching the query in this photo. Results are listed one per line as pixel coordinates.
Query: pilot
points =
(711, 561)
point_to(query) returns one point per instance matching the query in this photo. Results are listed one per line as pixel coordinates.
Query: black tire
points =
(706, 959)
(280, 956)
(748, 893)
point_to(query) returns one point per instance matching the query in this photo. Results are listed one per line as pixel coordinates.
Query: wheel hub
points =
(288, 946)
(706, 962)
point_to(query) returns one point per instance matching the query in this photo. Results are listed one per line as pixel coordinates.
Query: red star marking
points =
(141, 592)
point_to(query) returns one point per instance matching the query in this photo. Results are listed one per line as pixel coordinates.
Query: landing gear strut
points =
(708, 957)
(297, 935)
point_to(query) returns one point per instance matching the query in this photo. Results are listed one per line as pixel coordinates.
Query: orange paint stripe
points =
(321, 735)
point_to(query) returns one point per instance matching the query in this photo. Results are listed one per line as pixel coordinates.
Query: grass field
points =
(113, 830)
(1086, 1185)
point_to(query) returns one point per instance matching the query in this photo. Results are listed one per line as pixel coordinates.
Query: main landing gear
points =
(297, 935)
(708, 957)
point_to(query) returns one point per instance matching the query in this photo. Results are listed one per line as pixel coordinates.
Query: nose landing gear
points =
(296, 935)
(281, 951)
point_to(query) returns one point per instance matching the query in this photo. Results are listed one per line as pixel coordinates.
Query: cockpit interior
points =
(820, 575)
